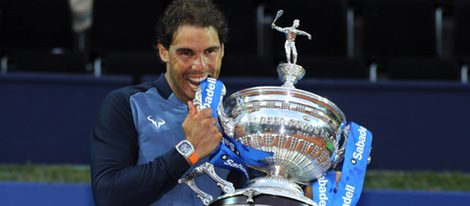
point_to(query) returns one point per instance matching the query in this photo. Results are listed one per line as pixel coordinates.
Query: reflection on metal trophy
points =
(302, 130)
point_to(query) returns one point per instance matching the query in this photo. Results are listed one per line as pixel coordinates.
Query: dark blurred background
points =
(352, 39)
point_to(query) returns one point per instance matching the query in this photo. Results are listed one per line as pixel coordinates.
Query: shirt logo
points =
(156, 123)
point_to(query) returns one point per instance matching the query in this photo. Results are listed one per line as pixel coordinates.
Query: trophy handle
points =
(225, 121)
(208, 169)
(339, 156)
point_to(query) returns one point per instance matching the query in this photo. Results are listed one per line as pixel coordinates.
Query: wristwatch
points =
(186, 149)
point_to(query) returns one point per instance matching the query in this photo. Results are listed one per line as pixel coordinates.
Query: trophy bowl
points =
(302, 130)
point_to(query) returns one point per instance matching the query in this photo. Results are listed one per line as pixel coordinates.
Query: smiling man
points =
(194, 54)
(149, 135)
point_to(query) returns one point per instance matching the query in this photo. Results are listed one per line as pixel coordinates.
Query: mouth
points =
(195, 81)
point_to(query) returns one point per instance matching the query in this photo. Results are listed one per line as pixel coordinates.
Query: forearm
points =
(139, 184)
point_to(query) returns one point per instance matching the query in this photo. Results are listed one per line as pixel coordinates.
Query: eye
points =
(185, 52)
(211, 50)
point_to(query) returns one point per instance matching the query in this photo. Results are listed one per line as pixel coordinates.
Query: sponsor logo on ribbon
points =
(230, 154)
(210, 94)
(348, 190)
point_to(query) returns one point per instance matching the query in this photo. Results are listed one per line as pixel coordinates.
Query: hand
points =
(308, 190)
(309, 37)
(200, 129)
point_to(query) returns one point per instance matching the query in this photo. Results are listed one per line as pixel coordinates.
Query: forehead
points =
(190, 36)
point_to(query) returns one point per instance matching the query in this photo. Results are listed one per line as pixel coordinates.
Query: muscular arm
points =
(116, 179)
(274, 26)
(304, 33)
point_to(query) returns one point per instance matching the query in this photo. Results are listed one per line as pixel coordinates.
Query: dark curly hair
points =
(202, 13)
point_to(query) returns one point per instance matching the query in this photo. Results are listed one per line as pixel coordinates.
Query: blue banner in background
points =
(327, 192)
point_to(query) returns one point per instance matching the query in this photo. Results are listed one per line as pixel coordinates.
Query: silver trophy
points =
(304, 131)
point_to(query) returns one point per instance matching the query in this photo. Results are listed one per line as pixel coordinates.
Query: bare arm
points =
(300, 32)
(274, 26)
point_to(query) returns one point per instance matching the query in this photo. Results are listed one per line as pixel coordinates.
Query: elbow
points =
(109, 192)
(100, 196)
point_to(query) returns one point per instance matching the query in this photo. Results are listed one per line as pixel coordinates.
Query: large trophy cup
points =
(303, 131)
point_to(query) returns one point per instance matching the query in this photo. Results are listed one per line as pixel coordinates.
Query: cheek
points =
(184, 61)
(174, 61)
(217, 74)
(178, 67)
(217, 67)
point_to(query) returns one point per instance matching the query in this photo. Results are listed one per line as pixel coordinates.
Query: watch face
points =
(185, 148)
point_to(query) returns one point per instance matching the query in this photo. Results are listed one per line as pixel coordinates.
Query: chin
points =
(191, 95)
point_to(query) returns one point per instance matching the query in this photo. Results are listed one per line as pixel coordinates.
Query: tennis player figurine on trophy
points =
(291, 34)
(291, 51)
(296, 138)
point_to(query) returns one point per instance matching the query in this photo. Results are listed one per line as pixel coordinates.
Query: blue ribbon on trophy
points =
(326, 192)
(230, 153)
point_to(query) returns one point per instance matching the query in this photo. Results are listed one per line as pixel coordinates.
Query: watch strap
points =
(193, 158)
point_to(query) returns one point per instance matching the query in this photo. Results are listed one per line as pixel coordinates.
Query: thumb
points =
(192, 109)
(338, 176)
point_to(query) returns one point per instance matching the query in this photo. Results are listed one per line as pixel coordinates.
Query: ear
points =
(222, 50)
(163, 52)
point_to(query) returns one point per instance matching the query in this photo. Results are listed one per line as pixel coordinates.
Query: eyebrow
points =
(184, 50)
(191, 50)
(212, 48)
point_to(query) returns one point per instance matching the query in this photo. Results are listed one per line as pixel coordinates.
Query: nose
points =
(200, 62)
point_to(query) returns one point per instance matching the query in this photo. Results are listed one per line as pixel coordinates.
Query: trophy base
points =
(263, 199)
(271, 190)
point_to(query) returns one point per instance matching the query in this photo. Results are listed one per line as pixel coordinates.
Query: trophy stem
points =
(290, 74)
(279, 186)
(277, 171)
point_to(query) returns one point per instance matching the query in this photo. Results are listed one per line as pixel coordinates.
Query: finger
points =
(192, 109)
(206, 122)
(215, 133)
(219, 136)
(205, 113)
(338, 176)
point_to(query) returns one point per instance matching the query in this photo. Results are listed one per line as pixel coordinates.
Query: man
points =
(150, 135)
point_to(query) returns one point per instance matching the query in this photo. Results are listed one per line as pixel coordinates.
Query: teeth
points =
(194, 87)
(194, 81)
(197, 80)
